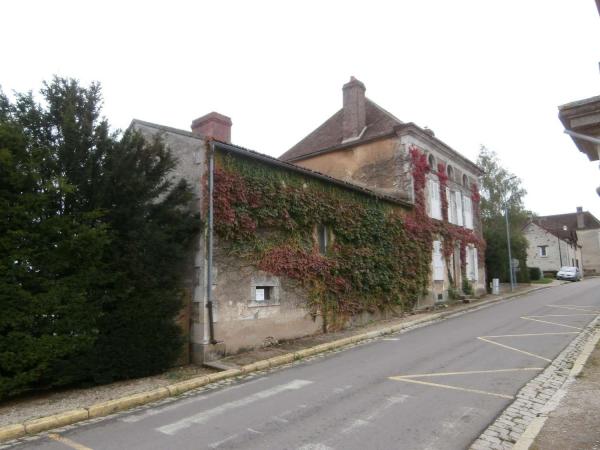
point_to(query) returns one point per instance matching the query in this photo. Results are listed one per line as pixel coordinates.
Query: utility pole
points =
(510, 263)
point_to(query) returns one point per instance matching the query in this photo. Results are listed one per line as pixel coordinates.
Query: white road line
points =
(369, 418)
(219, 443)
(144, 414)
(205, 416)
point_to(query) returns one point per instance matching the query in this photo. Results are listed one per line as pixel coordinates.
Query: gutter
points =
(583, 137)
(209, 243)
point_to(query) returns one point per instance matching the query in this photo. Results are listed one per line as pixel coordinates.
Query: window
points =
(459, 208)
(435, 206)
(472, 263)
(450, 171)
(465, 181)
(263, 293)
(431, 162)
(542, 250)
(437, 261)
(468, 212)
(322, 238)
(451, 206)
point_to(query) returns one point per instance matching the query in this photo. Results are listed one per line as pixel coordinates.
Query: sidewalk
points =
(575, 423)
(36, 413)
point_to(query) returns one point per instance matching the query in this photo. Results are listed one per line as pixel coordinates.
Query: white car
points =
(569, 273)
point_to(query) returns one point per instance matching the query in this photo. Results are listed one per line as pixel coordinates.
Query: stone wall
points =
(590, 251)
(555, 257)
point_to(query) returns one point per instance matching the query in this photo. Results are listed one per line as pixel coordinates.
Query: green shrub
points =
(535, 273)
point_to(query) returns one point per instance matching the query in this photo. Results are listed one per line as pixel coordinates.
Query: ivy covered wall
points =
(378, 255)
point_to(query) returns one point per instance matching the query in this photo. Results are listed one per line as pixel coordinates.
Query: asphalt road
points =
(435, 387)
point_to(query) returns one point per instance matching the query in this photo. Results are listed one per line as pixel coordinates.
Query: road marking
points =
(390, 339)
(566, 315)
(205, 416)
(514, 349)
(469, 372)
(550, 323)
(575, 307)
(317, 446)
(144, 414)
(531, 334)
(68, 442)
(455, 388)
(219, 443)
(409, 379)
(375, 413)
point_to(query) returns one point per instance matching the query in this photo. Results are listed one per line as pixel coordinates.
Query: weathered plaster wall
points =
(241, 322)
(590, 251)
(191, 166)
(376, 165)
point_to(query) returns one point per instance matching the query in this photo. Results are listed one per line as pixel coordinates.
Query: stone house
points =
(581, 230)
(245, 307)
(551, 247)
(364, 144)
(257, 293)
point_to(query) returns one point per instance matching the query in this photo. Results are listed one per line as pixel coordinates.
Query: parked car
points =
(569, 273)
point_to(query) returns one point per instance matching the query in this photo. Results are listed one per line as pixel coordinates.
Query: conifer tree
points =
(93, 238)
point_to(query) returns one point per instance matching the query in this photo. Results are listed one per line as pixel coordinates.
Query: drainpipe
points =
(209, 244)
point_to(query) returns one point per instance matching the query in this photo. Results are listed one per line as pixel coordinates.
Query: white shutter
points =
(449, 201)
(468, 263)
(475, 265)
(459, 211)
(437, 261)
(436, 207)
(468, 212)
(431, 199)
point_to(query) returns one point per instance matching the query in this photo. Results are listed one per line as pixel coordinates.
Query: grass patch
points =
(542, 281)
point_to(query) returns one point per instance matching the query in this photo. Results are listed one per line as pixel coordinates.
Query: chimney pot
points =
(354, 113)
(213, 126)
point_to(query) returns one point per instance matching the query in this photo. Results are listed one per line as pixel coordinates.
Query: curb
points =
(34, 426)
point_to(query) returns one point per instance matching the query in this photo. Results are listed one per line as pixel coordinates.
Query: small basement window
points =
(263, 293)
(542, 250)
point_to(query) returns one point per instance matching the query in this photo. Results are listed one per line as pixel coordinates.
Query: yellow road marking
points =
(530, 334)
(514, 349)
(575, 307)
(469, 372)
(455, 388)
(551, 323)
(68, 442)
(565, 315)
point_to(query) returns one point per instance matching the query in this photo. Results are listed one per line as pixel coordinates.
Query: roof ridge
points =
(383, 110)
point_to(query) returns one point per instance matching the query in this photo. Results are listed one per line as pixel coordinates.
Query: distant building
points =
(578, 233)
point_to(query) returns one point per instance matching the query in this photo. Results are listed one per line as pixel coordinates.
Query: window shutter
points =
(475, 265)
(437, 261)
(449, 202)
(459, 210)
(468, 212)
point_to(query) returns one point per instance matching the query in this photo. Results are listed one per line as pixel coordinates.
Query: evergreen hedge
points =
(93, 240)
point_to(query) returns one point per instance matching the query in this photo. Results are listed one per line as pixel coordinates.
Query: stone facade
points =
(549, 252)
(378, 159)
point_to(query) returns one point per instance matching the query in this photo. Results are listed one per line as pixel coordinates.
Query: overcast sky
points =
(476, 72)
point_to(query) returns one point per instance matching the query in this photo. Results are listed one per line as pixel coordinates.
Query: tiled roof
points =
(379, 122)
(557, 221)
(277, 162)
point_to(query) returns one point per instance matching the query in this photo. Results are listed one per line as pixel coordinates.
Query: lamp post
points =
(510, 263)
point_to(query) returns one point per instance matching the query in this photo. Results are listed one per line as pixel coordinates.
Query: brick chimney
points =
(354, 114)
(580, 218)
(213, 125)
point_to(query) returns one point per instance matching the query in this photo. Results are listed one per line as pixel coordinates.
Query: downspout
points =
(209, 243)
